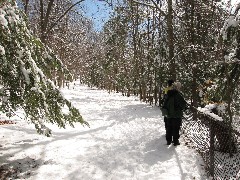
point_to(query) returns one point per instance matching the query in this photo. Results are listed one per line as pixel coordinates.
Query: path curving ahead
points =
(125, 141)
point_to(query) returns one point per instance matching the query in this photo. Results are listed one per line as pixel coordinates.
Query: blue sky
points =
(98, 11)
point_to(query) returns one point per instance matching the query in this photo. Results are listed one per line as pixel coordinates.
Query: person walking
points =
(175, 104)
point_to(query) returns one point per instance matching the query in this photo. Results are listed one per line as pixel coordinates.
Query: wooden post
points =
(211, 149)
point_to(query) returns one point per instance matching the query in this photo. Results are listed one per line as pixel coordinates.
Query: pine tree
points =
(25, 73)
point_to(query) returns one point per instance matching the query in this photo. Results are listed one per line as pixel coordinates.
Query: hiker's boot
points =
(176, 143)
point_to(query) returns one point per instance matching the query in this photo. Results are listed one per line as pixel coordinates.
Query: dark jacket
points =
(175, 104)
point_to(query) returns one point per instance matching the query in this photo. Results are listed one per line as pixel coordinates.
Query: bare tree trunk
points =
(194, 70)
(41, 20)
(44, 18)
(160, 83)
(171, 40)
(26, 6)
(135, 50)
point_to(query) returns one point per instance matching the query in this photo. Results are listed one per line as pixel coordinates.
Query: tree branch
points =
(55, 23)
(150, 5)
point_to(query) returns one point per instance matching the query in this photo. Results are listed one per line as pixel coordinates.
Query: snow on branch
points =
(25, 71)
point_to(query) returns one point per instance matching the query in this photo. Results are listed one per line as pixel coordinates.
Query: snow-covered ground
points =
(125, 141)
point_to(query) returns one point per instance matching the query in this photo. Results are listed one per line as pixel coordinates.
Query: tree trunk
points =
(171, 40)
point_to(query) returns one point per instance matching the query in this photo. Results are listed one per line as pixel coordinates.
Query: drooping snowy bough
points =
(26, 66)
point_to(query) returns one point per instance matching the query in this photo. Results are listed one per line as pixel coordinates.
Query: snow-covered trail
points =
(126, 140)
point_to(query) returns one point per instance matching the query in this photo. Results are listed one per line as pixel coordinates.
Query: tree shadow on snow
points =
(19, 168)
(157, 151)
(132, 112)
(183, 175)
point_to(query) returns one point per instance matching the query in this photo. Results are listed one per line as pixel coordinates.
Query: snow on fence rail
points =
(217, 143)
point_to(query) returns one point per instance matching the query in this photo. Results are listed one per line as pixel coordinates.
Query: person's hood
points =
(172, 92)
